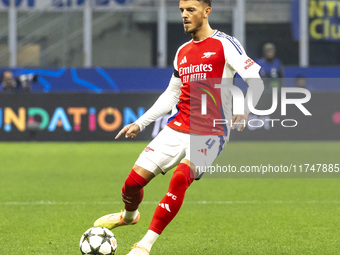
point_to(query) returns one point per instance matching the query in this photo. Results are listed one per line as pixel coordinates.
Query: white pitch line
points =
(27, 203)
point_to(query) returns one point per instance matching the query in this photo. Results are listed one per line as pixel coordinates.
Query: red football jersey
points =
(200, 65)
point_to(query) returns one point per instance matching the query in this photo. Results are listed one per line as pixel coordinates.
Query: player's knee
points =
(130, 186)
(183, 174)
(180, 178)
(194, 169)
(133, 183)
(132, 191)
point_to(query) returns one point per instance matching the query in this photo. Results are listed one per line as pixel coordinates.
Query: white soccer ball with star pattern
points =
(98, 241)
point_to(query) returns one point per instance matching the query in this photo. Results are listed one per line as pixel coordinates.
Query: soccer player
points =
(210, 55)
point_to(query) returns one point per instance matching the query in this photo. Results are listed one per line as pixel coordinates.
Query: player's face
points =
(193, 13)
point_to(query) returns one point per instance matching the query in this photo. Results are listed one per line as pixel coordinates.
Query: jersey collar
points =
(207, 37)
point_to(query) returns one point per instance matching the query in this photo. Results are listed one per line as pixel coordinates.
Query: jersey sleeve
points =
(239, 61)
(247, 68)
(164, 104)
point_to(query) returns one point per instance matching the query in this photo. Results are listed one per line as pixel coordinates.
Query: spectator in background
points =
(300, 81)
(8, 83)
(23, 82)
(271, 67)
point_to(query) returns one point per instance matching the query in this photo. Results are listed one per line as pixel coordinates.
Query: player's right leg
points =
(162, 154)
(132, 196)
(168, 207)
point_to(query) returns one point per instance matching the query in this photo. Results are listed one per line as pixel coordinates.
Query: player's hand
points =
(130, 131)
(239, 121)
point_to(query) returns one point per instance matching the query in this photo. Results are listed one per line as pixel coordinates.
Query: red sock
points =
(132, 191)
(171, 203)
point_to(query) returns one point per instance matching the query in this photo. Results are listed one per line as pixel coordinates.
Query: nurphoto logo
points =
(240, 103)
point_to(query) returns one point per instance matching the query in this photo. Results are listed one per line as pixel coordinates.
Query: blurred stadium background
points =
(147, 33)
(111, 50)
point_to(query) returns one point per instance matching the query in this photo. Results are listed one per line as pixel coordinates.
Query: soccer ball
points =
(98, 241)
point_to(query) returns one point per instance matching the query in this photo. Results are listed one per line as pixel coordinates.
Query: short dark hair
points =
(208, 2)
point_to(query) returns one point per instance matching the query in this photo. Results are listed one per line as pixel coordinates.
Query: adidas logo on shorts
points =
(204, 151)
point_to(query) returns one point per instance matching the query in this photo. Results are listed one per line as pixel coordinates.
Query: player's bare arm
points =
(130, 131)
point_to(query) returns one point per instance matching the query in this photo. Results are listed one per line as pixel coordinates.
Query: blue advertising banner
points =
(324, 19)
(97, 80)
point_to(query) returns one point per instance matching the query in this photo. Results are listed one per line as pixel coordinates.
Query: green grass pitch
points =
(52, 192)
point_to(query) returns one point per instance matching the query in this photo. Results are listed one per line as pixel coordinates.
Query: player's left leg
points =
(202, 151)
(168, 207)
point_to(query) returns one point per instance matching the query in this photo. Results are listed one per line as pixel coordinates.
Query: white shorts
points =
(169, 147)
